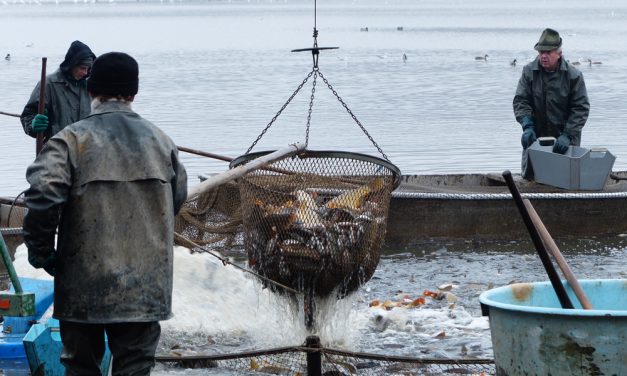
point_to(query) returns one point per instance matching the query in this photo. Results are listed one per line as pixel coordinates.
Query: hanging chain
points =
(315, 52)
(353, 116)
(311, 102)
(263, 132)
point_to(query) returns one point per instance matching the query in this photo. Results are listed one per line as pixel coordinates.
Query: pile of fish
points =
(319, 236)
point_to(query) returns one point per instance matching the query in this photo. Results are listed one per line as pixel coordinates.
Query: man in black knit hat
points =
(112, 184)
(67, 100)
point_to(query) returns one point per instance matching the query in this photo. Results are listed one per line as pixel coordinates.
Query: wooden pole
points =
(205, 154)
(535, 237)
(42, 103)
(549, 243)
(239, 171)
(9, 114)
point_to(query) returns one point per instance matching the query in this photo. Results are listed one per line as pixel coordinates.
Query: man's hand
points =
(562, 144)
(39, 123)
(528, 136)
(50, 265)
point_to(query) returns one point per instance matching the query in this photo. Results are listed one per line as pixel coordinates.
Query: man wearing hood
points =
(67, 100)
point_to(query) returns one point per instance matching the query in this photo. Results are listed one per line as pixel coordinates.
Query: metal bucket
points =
(532, 335)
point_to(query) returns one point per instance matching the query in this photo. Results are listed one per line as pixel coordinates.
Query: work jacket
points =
(557, 101)
(113, 184)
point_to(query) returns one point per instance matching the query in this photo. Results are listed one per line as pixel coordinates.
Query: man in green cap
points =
(551, 99)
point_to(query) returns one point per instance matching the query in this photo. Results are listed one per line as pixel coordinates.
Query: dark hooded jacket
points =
(67, 100)
(558, 101)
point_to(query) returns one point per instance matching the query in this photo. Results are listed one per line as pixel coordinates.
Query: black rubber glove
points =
(50, 265)
(562, 144)
(529, 132)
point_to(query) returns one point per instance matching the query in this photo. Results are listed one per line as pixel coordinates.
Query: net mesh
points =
(302, 360)
(213, 218)
(316, 222)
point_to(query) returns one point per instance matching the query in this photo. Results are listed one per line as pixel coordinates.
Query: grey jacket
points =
(112, 183)
(557, 101)
(66, 102)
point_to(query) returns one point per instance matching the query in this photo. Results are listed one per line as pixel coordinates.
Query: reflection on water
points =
(216, 73)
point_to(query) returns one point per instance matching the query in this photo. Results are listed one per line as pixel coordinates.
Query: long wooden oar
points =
(562, 296)
(549, 243)
(42, 103)
(205, 154)
(234, 173)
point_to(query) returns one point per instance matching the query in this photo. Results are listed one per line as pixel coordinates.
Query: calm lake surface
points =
(213, 75)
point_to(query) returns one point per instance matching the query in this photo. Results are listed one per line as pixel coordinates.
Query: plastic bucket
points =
(533, 335)
(579, 168)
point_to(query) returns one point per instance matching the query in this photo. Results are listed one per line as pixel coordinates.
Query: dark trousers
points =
(133, 346)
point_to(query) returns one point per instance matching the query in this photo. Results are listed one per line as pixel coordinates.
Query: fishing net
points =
(213, 218)
(316, 222)
(11, 219)
(316, 360)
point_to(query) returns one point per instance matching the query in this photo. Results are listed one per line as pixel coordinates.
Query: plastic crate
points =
(578, 169)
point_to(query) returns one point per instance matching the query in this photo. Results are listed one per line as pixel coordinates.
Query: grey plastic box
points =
(578, 169)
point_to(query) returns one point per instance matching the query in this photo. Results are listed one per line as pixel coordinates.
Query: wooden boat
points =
(479, 207)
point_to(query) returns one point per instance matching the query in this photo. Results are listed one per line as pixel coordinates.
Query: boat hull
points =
(434, 208)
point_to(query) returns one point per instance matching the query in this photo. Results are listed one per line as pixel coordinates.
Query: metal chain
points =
(353, 116)
(311, 102)
(263, 132)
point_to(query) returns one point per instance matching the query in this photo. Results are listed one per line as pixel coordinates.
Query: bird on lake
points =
(8, 57)
(404, 57)
(513, 63)
(363, 29)
(590, 62)
(484, 57)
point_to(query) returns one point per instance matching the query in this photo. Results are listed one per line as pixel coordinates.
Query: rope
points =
(226, 262)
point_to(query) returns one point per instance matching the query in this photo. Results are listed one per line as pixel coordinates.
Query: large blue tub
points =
(533, 335)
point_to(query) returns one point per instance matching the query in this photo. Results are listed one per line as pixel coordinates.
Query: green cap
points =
(549, 40)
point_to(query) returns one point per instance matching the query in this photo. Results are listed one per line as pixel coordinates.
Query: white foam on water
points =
(223, 301)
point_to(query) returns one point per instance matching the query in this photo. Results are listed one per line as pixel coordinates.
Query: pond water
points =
(213, 75)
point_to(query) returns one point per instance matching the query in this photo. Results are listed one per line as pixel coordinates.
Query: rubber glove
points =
(39, 123)
(562, 143)
(529, 132)
(50, 265)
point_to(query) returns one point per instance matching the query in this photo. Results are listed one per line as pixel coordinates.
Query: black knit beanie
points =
(114, 73)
